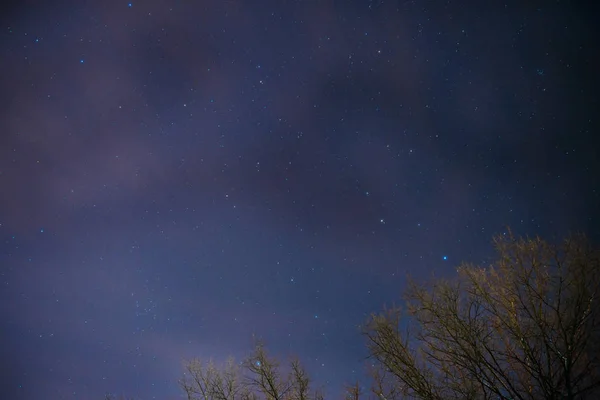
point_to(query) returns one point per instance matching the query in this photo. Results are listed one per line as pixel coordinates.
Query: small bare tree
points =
(264, 375)
(527, 327)
(258, 377)
(204, 381)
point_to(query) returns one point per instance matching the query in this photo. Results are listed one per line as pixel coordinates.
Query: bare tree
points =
(204, 381)
(300, 381)
(265, 376)
(527, 327)
(258, 377)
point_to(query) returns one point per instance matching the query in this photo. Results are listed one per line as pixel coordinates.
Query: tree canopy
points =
(526, 327)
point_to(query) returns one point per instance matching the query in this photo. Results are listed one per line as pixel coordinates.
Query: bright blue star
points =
(81, 61)
(129, 5)
(444, 258)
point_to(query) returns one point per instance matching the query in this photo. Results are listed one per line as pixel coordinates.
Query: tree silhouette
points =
(258, 377)
(526, 327)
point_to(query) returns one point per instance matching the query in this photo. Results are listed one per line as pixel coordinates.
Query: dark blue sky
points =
(176, 178)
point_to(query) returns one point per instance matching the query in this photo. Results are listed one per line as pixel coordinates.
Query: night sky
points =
(176, 178)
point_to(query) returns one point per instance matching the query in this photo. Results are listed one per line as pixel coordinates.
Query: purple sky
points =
(176, 177)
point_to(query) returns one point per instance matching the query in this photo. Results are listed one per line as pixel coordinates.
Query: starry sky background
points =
(178, 176)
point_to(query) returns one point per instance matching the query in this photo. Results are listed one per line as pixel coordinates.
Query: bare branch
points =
(527, 327)
(265, 375)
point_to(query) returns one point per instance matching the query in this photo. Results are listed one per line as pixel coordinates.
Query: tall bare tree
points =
(527, 327)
